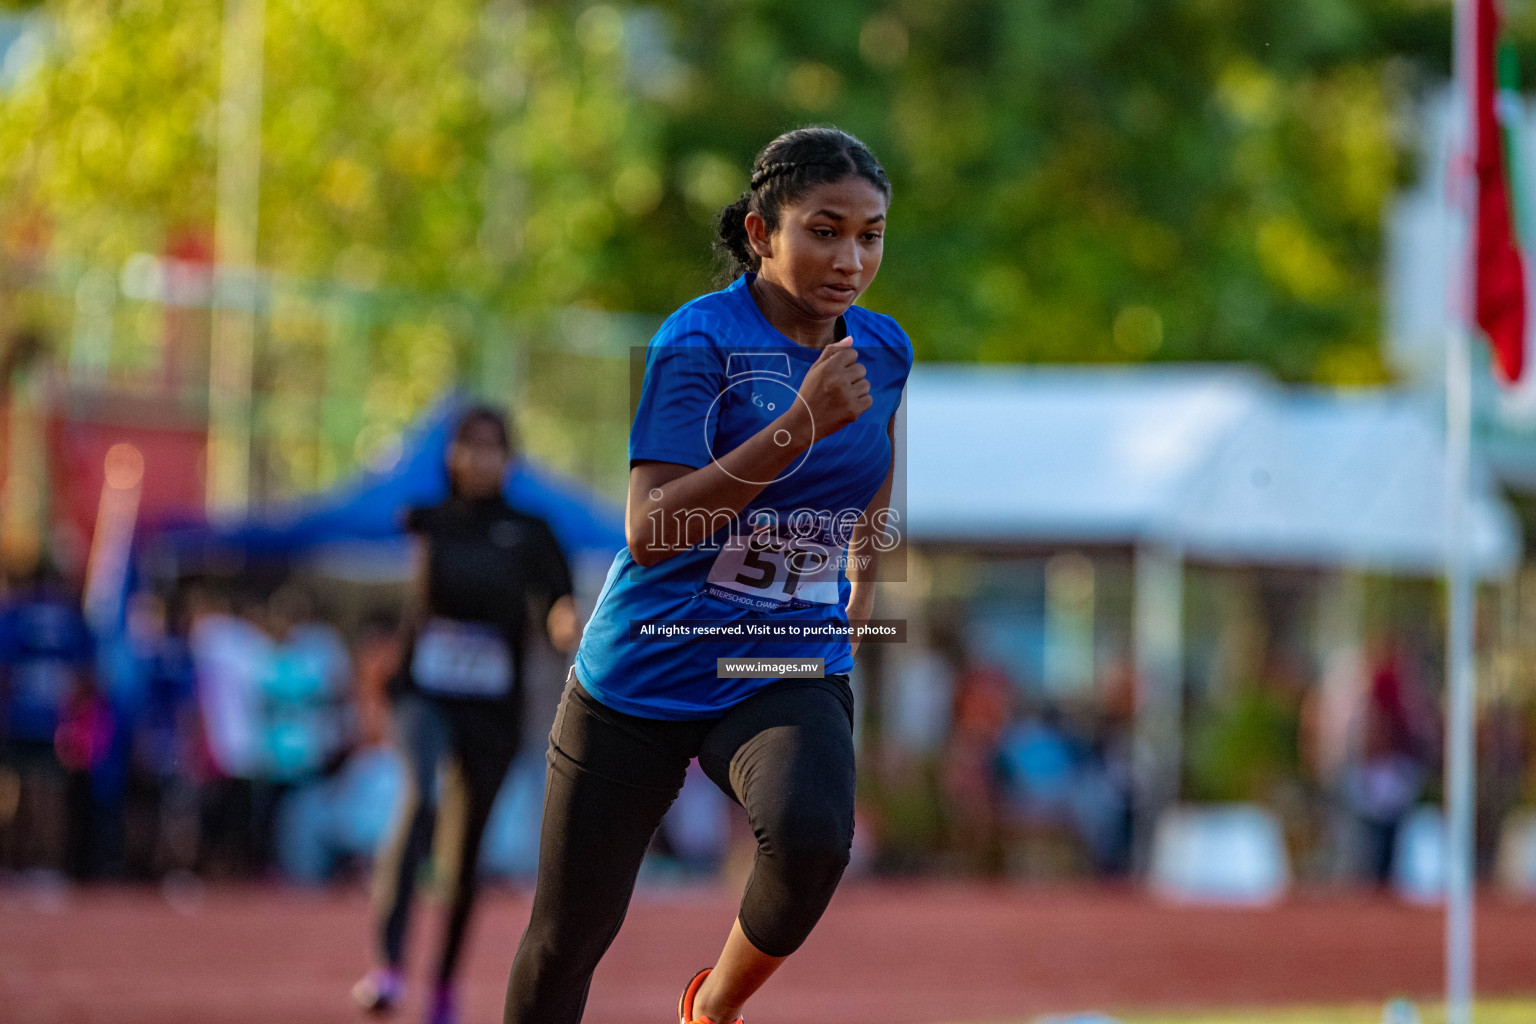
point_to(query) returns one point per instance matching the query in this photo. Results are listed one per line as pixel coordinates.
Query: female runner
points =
(459, 699)
(760, 454)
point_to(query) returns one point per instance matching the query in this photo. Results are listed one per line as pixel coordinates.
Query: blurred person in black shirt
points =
(480, 566)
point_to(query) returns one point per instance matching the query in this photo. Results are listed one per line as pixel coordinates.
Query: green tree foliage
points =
(447, 169)
(1097, 180)
(1076, 180)
(1245, 747)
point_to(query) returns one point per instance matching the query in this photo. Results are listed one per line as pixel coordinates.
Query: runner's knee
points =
(813, 842)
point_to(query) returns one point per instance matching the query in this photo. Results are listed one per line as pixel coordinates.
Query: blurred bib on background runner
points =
(765, 571)
(462, 659)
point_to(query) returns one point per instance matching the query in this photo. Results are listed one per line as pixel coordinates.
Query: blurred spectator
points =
(982, 703)
(1102, 797)
(1071, 783)
(164, 737)
(1504, 751)
(1397, 748)
(229, 655)
(305, 723)
(1040, 766)
(377, 655)
(46, 660)
(303, 688)
(83, 743)
(1038, 762)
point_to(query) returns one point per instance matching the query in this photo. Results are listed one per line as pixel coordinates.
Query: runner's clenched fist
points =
(836, 388)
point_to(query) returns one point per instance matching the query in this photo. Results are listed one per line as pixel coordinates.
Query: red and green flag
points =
(1502, 307)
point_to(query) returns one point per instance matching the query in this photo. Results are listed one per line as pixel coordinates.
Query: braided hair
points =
(786, 169)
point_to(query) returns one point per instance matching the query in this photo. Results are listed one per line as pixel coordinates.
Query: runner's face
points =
(827, 247)
(478, 461)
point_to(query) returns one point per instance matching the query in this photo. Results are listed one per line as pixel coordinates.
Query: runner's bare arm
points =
(671, 506)
(564, 625)
(864, 554)
(414, 610)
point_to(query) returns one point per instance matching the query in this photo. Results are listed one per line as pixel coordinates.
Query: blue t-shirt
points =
(716, 373)
(45, 645)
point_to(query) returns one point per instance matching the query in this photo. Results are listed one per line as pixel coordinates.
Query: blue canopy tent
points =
(369, 509)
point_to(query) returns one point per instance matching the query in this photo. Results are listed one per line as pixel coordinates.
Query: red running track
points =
(885, 954)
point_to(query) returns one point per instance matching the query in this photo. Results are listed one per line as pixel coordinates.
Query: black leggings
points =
(785, 754)
(478, 748)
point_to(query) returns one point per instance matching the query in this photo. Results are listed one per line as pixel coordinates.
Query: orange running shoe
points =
(685, 1002)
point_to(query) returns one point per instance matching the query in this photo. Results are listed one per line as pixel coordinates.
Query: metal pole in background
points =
(1460, 754)
(1158, 623)
(501, 362)
(235, 232)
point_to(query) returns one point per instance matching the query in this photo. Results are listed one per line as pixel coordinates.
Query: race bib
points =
(765, 571)
(462, 659)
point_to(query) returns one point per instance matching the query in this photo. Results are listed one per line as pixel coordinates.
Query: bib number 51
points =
(768, 568)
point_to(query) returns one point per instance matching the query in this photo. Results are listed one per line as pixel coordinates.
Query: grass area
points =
(1488, 1012)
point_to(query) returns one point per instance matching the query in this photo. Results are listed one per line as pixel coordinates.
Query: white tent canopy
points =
(1218, 463)
(1182, 462)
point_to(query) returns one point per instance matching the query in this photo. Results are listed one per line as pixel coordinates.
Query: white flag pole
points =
(1460, 782)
